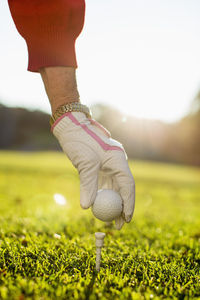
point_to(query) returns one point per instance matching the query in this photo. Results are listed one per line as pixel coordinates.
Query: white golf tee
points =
(99, 236)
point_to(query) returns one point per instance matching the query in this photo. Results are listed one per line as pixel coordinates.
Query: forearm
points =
(60, 85)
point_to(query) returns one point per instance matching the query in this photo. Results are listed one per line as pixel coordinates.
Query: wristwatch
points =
(70, 107)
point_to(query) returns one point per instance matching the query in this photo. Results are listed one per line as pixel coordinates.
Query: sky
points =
(140, 56)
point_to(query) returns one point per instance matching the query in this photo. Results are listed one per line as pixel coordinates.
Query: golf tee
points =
(99, 236)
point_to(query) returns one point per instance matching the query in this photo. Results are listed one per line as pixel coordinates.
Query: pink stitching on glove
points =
(90, 132)
(93, 135)
(94, 122)
(58, 120)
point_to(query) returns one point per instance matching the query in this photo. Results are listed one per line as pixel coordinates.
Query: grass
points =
(47, 251)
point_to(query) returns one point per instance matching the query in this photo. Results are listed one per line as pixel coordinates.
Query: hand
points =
(101, 161)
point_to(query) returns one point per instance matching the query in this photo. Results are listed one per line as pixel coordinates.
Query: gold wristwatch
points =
(70, 107)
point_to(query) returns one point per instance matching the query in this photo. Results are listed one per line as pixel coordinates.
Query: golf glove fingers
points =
(100, 160)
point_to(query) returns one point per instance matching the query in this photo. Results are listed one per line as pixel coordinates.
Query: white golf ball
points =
(107, 205)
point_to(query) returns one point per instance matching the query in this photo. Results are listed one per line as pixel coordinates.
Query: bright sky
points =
(142, 56)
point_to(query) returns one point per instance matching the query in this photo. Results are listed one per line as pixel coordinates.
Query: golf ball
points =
(107, 205)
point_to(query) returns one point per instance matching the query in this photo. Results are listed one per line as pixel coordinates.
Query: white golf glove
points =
(100, 160)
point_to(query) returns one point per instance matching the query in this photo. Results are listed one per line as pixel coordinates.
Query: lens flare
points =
(124, 119)
(60, 199)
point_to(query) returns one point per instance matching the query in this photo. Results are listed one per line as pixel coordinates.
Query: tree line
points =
(21, 129)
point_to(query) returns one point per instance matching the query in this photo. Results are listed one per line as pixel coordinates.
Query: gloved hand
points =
(101, 161)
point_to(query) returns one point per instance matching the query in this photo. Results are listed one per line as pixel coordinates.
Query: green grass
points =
(156, 256)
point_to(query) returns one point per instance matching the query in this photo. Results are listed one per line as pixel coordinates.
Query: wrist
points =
(70, 107)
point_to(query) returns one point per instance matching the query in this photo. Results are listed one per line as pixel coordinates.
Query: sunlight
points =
(148, 68)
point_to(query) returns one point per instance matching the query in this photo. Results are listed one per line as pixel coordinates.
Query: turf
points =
(47, 250)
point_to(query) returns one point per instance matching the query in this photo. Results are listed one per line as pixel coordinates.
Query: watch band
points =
(70, 107)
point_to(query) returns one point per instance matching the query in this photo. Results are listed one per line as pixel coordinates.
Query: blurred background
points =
(138, 71)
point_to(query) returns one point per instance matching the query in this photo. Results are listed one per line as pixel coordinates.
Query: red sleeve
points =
(50, 29)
